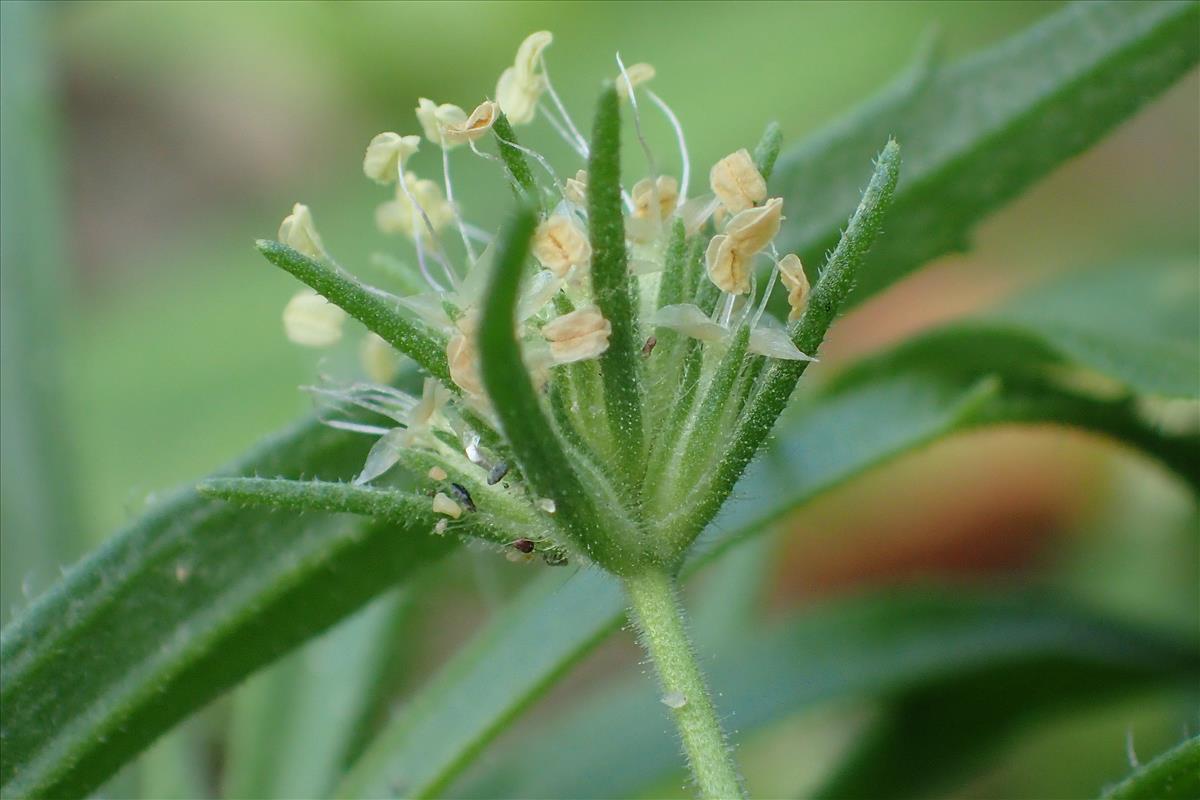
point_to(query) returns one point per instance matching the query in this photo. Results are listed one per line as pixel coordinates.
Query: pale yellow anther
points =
(637, 74)
(436, 119)
(561, 243)
(521, 85)
(575, 190)
(298, 232)
(386, 153)
(791, 272)
(311, 320)
(379, 359)
(655, 199)
(437, 474)
(577, 336)
(473, 127)
(401, 216)
(737, 183)
(728, 267)
(462, 355)
(753, 229)
(442, 504)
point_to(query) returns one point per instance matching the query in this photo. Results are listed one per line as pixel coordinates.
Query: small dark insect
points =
(463, 496)
(497, 473)
(648, 347)
(524, 545)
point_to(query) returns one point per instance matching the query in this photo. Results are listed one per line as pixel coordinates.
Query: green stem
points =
(660, 618)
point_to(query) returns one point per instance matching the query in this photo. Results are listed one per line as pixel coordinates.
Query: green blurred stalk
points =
(39, 528)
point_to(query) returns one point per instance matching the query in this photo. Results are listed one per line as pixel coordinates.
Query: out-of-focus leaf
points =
(1136, 325)
(39, 528)
(183, 604)
(293, 724)
(531, 641)
(834, 436)
(614, 745)
(978, 132)
(1174, 775)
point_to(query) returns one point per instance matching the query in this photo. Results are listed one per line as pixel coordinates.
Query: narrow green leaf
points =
(620, 366)
(386, 505)
(293, 725)
(380, 316)
(1174, 775)
(671, 290)
(980, 131)
(775, 389)
(767, 150)
(531, 642)
(539, 452)
(874, 645)
(180, 606)
(39, 523)
(514, 159)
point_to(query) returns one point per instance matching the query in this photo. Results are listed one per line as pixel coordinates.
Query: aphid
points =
(524, 545)
(463, 496)
(648, 347)
(497, 473)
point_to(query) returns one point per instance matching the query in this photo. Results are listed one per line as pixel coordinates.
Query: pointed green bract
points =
(825, 300)
(1174, 775)
(515, 161)
(620, 365)
(540, 453)
(767, 150)
(380, 316)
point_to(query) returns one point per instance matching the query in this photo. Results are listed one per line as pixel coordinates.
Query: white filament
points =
(458, 220)
(686, 162)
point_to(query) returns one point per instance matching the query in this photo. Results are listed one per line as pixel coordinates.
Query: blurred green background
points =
(146, 145)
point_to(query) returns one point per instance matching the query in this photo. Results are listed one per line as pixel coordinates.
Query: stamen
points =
(458, 221)
(425, 273)
(582, 142)
(477, 233)
(762, 306)
(354, 427)
(728, 309)
(686, 162)
(571, 141)
(541, 160)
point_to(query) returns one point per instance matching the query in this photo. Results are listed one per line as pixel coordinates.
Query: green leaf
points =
(180, 606)
(531, 642)
(1174, 775)
(767, 150)
(406, 509)
(869, 646)
(980, 131)
(620, 366)
(384, 318)
(39, 523)
(293, 724)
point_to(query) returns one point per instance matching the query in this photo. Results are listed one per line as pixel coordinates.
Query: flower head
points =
(298, 232)
(521, 85)
(386, 154)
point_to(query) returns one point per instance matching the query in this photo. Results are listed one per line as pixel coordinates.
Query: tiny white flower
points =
(690, 320)
(311, 320)
(775, 343)
(436, 119)
(401, 216)
(737, 183)
(560, 243)
(655, 199)
(577, 336)
(521, 85)
(385, 155)
(462, 354)
(299, 232)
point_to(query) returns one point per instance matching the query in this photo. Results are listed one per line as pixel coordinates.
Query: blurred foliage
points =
(178, 157)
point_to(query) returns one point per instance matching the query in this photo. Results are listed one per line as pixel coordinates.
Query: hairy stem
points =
(660, 620)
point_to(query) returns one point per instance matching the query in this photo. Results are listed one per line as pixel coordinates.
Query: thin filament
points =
(458, 220)
(686, 162)
(583, 145)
